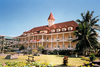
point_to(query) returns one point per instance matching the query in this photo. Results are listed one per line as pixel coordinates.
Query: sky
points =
(18, 16)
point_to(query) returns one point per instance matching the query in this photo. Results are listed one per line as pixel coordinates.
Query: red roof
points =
(55, 26)
(51, 17)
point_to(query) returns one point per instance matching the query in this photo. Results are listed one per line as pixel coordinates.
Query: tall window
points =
(34, 46)
(29, 46)
(69, 46)
(58, 46)
(69, 36)
(47, 38)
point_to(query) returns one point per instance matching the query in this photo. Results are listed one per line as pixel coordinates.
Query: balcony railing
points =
(44, 40)
(63, 48)
(21, 42)
(15, 48)
(29, 48)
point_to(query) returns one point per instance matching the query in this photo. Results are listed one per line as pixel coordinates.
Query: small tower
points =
(51, 20)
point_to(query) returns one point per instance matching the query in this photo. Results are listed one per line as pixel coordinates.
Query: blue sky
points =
(17, 16)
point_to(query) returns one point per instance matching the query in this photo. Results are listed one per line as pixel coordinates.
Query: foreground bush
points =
(65, 60)
(92, 57)
(25, 64)
(63, 52)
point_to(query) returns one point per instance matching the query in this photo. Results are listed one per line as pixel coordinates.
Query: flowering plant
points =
(65, 60)
(26, 64)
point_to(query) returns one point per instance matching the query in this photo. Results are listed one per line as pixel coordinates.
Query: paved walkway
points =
(9, 54)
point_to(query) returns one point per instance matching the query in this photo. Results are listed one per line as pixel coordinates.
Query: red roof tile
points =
(55, 26)
(51, 17)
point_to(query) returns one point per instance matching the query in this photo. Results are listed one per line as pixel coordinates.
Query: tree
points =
(22, 47)
(40, 48)
(86, 33)
(2, 45)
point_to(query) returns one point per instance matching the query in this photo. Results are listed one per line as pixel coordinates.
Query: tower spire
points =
(51, 19)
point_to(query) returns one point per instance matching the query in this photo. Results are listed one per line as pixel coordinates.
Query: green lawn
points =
(46, 58)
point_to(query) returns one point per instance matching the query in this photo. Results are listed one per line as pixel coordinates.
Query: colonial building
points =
(51, 36)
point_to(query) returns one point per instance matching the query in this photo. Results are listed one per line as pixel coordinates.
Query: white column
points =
(57, 41)
(28, 42)
(42, 39)
(46, 41)
(21, 41)
(35, 42)
(70, 35)
(51, 41)
(70, 44)
(63, 41)
(33, 37)
(25, 41)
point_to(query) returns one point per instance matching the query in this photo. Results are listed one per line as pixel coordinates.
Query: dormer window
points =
(63, 29)
(70, 28)
(52, 30)
(41, 31)
(57, 30)
(35, 32)
(31, 33)
(25, 34)
(44, 31)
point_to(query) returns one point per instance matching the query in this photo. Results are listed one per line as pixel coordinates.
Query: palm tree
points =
(86, 33)
(2, 45)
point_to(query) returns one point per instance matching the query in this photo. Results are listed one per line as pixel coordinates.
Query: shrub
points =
(63, 52)
(55, 51)
(40, 48)
(36, 53)
(11, 53)
(22, 47)
(92, 57)
(84, 58)
(50, 52)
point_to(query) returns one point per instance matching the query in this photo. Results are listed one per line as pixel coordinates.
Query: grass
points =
(46, 58)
